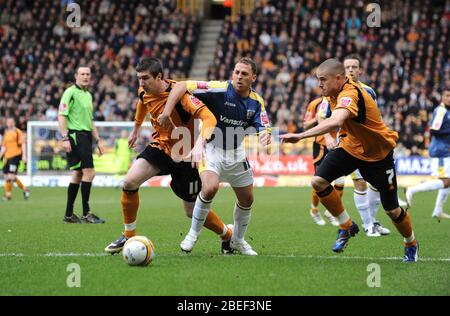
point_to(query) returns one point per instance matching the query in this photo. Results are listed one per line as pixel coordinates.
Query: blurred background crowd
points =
(406, 60)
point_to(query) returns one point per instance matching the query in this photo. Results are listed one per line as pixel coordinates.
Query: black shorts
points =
(380, 174)
(12, 164)
(81, 155)
(186, 183)
(319, 152)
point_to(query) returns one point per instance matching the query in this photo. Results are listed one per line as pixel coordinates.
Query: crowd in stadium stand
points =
(39, 53)
(406, 60)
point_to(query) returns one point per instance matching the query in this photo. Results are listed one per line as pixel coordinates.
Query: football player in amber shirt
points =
(168, 151)
(13, 149)
(366, 144)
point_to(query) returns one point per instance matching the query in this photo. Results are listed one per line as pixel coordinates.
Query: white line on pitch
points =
(87, 254)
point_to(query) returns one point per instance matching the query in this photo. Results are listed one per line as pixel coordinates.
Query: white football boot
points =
(243, 247)
(188, 243)
(381, 229)
(331, 218)
(371, 231)
(317, 218)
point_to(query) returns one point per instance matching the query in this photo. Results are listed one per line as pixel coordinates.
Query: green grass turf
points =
(295, 256)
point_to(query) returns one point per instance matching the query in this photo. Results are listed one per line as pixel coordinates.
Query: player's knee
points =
(446, 182)
(77, 176)
(389, 200)
(360, 185)
(209, 191)
(130, 184)
(246, 201)
(319, 183)
(89, 174)
(394, 213)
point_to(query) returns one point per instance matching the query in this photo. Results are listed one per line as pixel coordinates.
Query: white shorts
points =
(231, 165)
(356, 175)
(440, 167)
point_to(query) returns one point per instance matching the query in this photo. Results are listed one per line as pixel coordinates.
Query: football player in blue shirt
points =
(239, 111)
(439, 151)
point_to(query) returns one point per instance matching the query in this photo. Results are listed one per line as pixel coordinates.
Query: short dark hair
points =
(153, 65)
(249, 61)
(81, 66)
(353, 56)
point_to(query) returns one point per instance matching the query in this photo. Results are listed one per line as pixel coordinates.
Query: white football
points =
(138, 251)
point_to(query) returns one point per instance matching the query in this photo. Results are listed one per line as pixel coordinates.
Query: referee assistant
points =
(78, 133)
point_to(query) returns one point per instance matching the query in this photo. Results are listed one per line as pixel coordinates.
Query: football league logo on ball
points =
(138, 251)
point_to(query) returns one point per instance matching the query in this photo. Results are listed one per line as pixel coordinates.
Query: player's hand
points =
(24, 159)
(164, 120)
(66, 146)
(197, 153)
(101, 149)
(132, 140)
(290, 138)
(265, 138)
(330, 143)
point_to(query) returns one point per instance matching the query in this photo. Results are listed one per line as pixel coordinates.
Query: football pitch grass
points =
(295, 256)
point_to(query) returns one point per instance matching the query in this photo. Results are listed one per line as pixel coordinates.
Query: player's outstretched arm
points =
(310, 123)
(335, 121)
(330, 141)
(175, 95)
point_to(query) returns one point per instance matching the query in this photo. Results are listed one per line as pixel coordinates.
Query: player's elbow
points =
(338, 123)
(181, 87)
(213, 121)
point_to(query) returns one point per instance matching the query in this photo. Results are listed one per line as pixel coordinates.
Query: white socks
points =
(410, 238)
(374, 202)
(427, 186)
(440, 201)
(199, 214)
(130, 227)
(241, 219)
(343, 218)
(362, 204)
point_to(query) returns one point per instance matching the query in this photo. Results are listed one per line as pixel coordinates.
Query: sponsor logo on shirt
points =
(62, 107)
(232, 122)
(230, 104)
(202, 85)
(345, 102)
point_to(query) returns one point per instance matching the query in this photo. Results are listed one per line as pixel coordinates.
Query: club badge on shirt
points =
(62, 107)
(196, 101)
(345, 102)
(250, 114)
(264, 118)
